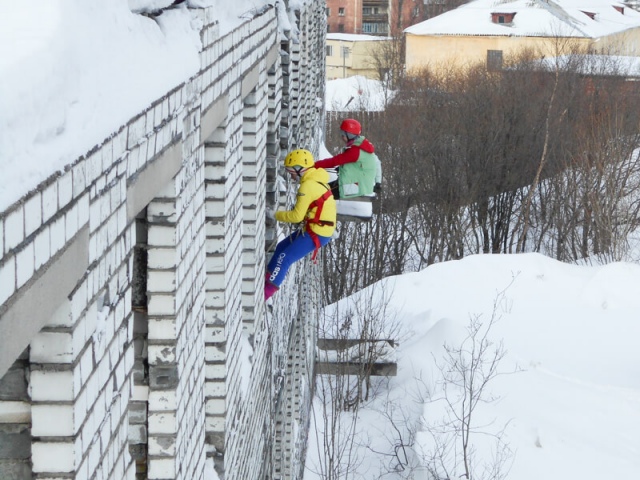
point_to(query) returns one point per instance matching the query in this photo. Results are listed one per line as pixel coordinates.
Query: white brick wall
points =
(204, 235)
(13, 228)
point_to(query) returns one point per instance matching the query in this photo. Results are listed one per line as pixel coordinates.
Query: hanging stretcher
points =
(353, 209)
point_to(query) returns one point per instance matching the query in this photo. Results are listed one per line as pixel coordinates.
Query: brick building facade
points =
(382, 17)
(134, 338)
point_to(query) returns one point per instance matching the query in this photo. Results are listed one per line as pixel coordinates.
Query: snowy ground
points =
(356, 93)
(572, 410)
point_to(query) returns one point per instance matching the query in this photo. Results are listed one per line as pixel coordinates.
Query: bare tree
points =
(334, 428)
(466, 372)
(551, 120)
(387, 59)
(397, 431)
(360, 330)
(530, 158)
(586, 207)
(410, 438)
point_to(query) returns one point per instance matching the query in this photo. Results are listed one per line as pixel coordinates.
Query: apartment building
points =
(486, 31)
(374, 17)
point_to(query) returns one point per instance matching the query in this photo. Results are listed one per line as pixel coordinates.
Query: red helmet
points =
(352, 126)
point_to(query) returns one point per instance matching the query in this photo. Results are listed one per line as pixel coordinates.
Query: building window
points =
(370, 10)
(502, 18)
(345, 52)
(328, 10)
(494, 60)
(329, 50)
(341, 12)
(374, 28)
(341, 28)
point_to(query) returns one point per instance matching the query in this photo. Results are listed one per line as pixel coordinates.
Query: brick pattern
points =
(347, 21)
(15, 419)
(163, 357)
(303, 70)
(80, 362)
(394, 15)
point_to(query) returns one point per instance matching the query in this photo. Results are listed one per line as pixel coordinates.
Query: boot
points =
(269, 290)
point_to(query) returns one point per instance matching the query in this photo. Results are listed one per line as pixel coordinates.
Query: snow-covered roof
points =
(354, 37)
(533, 18)
(601, 65)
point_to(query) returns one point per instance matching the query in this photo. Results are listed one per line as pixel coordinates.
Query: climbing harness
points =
(317, 204)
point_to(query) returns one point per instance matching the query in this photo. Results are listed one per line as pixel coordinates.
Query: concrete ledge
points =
(273, 55)
(252, 77)
(386, 369)
(346, 364)
(14, 413)
(29, 309)
(145, 186)
(213, 117)
(250, 80)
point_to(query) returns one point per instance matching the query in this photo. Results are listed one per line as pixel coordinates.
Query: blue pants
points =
(291, 249)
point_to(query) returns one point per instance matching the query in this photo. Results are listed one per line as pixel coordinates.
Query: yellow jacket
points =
(313, 185)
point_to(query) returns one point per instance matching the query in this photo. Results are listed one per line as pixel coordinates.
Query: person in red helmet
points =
(358, 166)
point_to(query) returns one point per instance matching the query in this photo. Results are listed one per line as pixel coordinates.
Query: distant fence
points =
(332, 127)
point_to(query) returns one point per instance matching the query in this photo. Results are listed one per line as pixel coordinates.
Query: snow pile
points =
(567, 396)
(356, 93)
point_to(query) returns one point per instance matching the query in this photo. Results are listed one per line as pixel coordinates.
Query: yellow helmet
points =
(299, 158)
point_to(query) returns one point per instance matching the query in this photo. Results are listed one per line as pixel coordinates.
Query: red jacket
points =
(350, 155)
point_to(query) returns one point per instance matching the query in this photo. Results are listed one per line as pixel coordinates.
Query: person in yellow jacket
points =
(315, 210)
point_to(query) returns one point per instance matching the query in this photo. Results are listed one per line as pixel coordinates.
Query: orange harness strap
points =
(317, 204)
